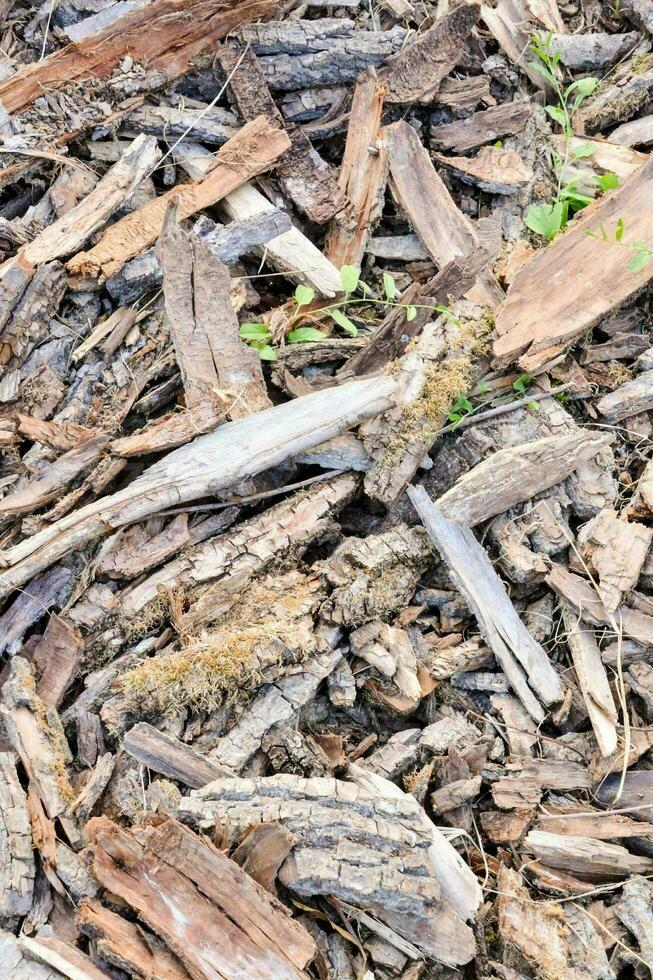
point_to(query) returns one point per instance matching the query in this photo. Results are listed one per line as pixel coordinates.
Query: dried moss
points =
(212, 668)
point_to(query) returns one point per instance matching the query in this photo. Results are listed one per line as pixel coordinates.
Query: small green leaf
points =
(389, 287)
(522, 383)
(533, 406)
(254, 331)
(454, 417)
(619, 233)
(304, 295)
(344, 322)
(583, 88)
(556, 113)
(411, 313)
(498, 145)
(364, 288)
(482, 387)
(267, 353)
(305, 335)
(545, 219)
(582, 151)
(639, 261)
(349, 277)
(607, 182)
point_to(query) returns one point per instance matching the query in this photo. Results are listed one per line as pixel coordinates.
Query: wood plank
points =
(571, 284)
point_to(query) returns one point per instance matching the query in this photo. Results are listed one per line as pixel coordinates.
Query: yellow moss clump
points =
(211, 668)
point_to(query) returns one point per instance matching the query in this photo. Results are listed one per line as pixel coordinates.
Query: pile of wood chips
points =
(326, 491)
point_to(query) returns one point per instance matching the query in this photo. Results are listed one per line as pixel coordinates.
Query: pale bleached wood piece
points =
(521, 658)
(510, 476)
(592, 680)
(17, 868)
(363, 173)
(210, 463)
(615, 549)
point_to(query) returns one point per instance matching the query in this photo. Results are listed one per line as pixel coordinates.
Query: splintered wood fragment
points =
(17, 870)
(120, 943)
(590, 859)
(121, 321)
(607, 157)
(550, 302)
(62, 956)
(224, 924)
(71, 231)
(441, 227)
(615, 549)
(304, 176)
(414, 74)
(329, 820)
(164, 34)
(510, 476)
(250, 152)
(363, 173)
(233, 559)
(218, 370)
(173, 430)
(212, 462)
(52, 479)
(578, 821)
(56, 657)
(521, 658)
(493, 169)
(631, 398)
(36, 734)
(83, 804)
(444, 231)
(584, 599)
(51, 588)
(488, 126)
(167, 755)
(592, 680)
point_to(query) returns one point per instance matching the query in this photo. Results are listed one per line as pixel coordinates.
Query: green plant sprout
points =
(259, 335)
(548, 220)
(643, 251)
(463, 406)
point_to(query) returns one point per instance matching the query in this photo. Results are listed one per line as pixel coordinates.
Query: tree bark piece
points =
(620, 95)
(57, 656)
(36, 734)
(234, 559)
(615, 549)
(223, 923)
(363, 173)
(329, 51)
(17, 869)
(50, 589)
(635, 910)
(590, 859)
(521, 658)
(304, 176)
(488, 126)
(414, 74)
(218, 370)
(253, 150)
(592, 680)
(586, 602)
(493, 169)
(511, 476)
(335, 824)
(214, 461)
(120, 943)
(589, 52)
(164, 34)
(631, 398)
(169, 756)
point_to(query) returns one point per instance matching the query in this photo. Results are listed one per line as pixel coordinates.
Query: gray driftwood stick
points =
(521, 658)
